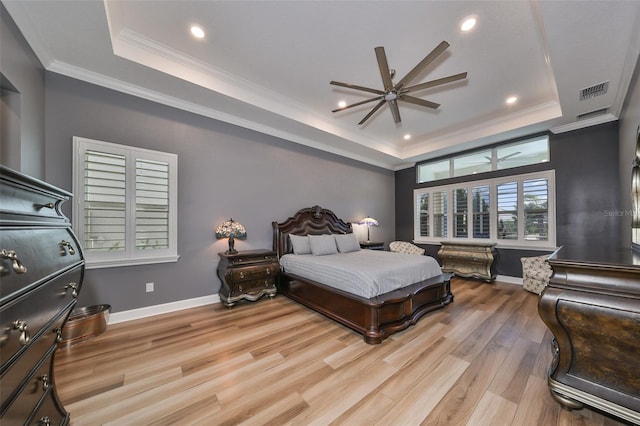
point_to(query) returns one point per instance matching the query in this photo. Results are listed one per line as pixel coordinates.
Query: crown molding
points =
(581, 124)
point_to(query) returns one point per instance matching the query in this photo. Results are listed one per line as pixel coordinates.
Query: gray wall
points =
(223, 171)
(629, 122)
(21, 144)
(586, 165)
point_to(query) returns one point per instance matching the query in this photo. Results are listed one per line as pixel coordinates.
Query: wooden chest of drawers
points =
(247, 275)
(474, 260)
(41, 268)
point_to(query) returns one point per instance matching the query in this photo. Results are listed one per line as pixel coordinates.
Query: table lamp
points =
(231, 230)
(369, 221)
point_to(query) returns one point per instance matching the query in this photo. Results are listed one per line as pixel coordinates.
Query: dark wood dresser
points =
(472, 260)
(247, 275)
(41, 271)
(592, 307)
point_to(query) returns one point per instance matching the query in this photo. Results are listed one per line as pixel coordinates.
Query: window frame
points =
(519, 242)
(131, 255)
(491, 154)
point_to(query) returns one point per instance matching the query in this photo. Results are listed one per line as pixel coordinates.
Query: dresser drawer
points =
(25, 204)
(23, 318)
(42, 251)
(27, 389)
(253, 272)
(49, 412)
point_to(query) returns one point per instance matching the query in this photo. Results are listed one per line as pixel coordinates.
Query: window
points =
(517, 211)
(507, 156)
(125, 210)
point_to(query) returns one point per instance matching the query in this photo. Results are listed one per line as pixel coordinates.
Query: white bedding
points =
(365, 273)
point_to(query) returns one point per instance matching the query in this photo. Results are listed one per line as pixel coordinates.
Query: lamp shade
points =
(231, 229)
(369, 221)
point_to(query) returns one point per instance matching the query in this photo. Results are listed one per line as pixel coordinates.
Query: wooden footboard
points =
(378, 317)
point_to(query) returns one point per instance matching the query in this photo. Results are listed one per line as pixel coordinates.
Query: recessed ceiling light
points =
(197, 31)
(342, 104)
(407, 137)
(468, 23)
(511, 100)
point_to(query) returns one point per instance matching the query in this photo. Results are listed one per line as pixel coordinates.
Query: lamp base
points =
(230, 251)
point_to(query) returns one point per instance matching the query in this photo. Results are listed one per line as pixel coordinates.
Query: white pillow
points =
(300, 244)
(347, 242)
(322, 244)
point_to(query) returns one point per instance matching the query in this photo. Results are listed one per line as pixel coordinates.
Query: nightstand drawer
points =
(256, 285)
(254, 272)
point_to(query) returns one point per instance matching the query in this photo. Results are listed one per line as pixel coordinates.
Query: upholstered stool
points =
(405, 247)
(535, 273)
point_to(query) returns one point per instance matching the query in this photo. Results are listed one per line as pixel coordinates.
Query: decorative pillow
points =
(300, 244)
(322, 244)
(347, 242)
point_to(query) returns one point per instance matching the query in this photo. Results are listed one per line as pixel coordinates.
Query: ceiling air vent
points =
(593, 113)
(593, 91)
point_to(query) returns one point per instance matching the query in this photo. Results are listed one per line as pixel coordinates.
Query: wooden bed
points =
(375, 318)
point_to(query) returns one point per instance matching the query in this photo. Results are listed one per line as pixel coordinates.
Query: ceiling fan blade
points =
(358, 103)
(509, 156)
(356, 87)
(375, 108)
(384, 68)
(418, 101)
(438, 82)
(395, 111)
(423, 64)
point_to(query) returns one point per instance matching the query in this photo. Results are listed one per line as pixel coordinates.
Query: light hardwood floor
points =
(480, 361)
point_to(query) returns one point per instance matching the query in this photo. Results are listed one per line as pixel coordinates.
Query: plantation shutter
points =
(104, 202)
(152, 205)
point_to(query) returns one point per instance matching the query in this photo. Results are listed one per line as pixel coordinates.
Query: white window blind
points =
(513, 211)
(127, 213)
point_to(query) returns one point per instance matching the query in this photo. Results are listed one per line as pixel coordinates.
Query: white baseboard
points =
(149, 311)
(509, 279)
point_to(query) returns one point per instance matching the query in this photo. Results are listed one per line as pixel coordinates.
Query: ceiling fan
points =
(392, 93)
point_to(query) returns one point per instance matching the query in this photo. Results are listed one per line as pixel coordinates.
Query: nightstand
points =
(372, 245)
(247, 275)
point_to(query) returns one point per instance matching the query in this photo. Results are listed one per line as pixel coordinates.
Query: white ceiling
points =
(266, 65)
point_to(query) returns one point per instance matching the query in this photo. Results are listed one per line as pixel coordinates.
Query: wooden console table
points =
(592, 307)
(474, 260)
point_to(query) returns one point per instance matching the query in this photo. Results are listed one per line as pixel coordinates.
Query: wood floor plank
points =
(481, 360)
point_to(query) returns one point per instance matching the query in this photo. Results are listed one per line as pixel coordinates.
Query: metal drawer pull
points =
(45, 421)
(45, 382)
(18, 267)
(74, 288)
(268, 271)
(241, 274)
(58, 332)
(48, 205)
(69, 247)
(21, 326)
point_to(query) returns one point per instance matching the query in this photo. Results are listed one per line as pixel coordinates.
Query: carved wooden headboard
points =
(309, 221)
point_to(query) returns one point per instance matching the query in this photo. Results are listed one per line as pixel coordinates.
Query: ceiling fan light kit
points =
(392, 93)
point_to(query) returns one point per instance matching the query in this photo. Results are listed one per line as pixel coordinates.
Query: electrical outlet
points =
(149, 287)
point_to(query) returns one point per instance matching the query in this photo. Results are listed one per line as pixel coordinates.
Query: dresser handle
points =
(74, 288)
(58, 332)
(18, 267)
(48, 205)
(241, 274)
(45, 382)
(21, 326)
(45, 421)
(69, 247)
(268, 271)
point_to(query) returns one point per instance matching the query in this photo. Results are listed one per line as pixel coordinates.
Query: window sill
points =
(117, 263)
